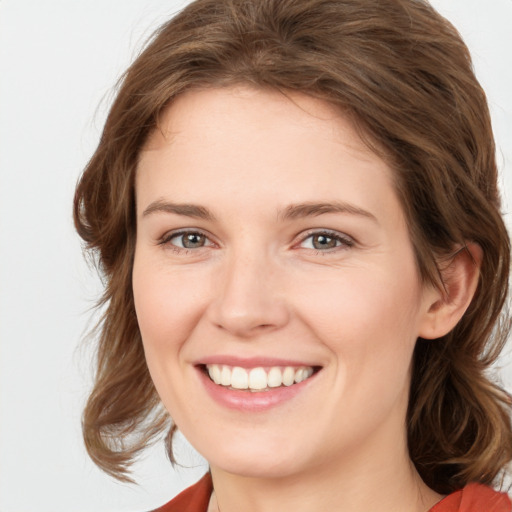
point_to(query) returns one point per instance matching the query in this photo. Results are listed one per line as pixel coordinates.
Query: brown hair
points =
(402, 72)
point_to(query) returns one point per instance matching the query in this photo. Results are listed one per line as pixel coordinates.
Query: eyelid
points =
(346, 240)
(169, 235)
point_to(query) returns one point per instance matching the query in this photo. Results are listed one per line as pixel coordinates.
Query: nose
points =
(248, 300)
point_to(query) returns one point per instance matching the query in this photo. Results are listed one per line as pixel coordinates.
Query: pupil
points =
(193, 240)
(323, 242)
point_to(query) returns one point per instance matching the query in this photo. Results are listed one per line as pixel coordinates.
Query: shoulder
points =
(192, 499)
(474, 498)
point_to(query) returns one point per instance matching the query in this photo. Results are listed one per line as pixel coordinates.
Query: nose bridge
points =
(248, 298)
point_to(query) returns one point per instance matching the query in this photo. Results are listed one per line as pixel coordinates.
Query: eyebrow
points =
(302, 210)
(293, 211)
(187, 210)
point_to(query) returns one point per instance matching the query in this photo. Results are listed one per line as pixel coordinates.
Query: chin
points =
(253, 468)
(256, 462)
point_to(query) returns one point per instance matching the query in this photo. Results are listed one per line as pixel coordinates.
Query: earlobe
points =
(445, 307)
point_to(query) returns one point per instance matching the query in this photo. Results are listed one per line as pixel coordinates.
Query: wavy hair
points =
(403, 74)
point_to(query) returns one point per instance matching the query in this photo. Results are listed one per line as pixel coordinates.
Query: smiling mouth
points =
(258, 379)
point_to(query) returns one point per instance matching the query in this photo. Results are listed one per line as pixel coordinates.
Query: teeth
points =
(275, 377)
(215, 374)
(239, 378)
(288, 376)
(303, 374)
(257, 379)
(225, 376)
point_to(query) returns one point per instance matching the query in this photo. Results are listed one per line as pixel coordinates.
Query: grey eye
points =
(324, 242)
(189, 240)
(193, 240)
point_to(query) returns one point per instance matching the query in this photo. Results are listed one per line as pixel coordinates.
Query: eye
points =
(187, 240)
(326, 240)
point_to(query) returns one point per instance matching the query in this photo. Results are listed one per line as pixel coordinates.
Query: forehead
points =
(289, 147)
(207, 109)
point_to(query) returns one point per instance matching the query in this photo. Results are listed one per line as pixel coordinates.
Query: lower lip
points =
(252, 401)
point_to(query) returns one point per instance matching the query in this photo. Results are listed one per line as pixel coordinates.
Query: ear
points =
(445, 307)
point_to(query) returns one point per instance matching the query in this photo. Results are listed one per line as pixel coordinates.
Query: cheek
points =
(369, 326)
(369, 318)
(168, 306)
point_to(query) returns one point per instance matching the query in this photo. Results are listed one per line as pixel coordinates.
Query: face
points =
(275, 283)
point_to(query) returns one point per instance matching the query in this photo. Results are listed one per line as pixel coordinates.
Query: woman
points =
(294, 204)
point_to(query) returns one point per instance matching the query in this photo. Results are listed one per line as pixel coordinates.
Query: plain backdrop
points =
(59, 60)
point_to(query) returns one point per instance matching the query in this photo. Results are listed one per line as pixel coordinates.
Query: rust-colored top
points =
(473, 498)
(192, 499)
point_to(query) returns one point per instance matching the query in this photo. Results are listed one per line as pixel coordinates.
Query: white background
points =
(59, 60)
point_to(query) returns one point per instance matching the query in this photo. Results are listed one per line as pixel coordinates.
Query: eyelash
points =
(342, 241)
(166, 239)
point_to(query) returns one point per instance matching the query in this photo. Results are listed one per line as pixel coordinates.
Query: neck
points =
(365, 481)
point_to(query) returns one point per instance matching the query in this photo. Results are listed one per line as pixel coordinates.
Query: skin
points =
(260, 285)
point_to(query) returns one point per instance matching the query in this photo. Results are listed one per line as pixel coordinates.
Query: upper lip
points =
(252, 362)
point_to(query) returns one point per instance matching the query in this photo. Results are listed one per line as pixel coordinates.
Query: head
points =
(402, 77)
